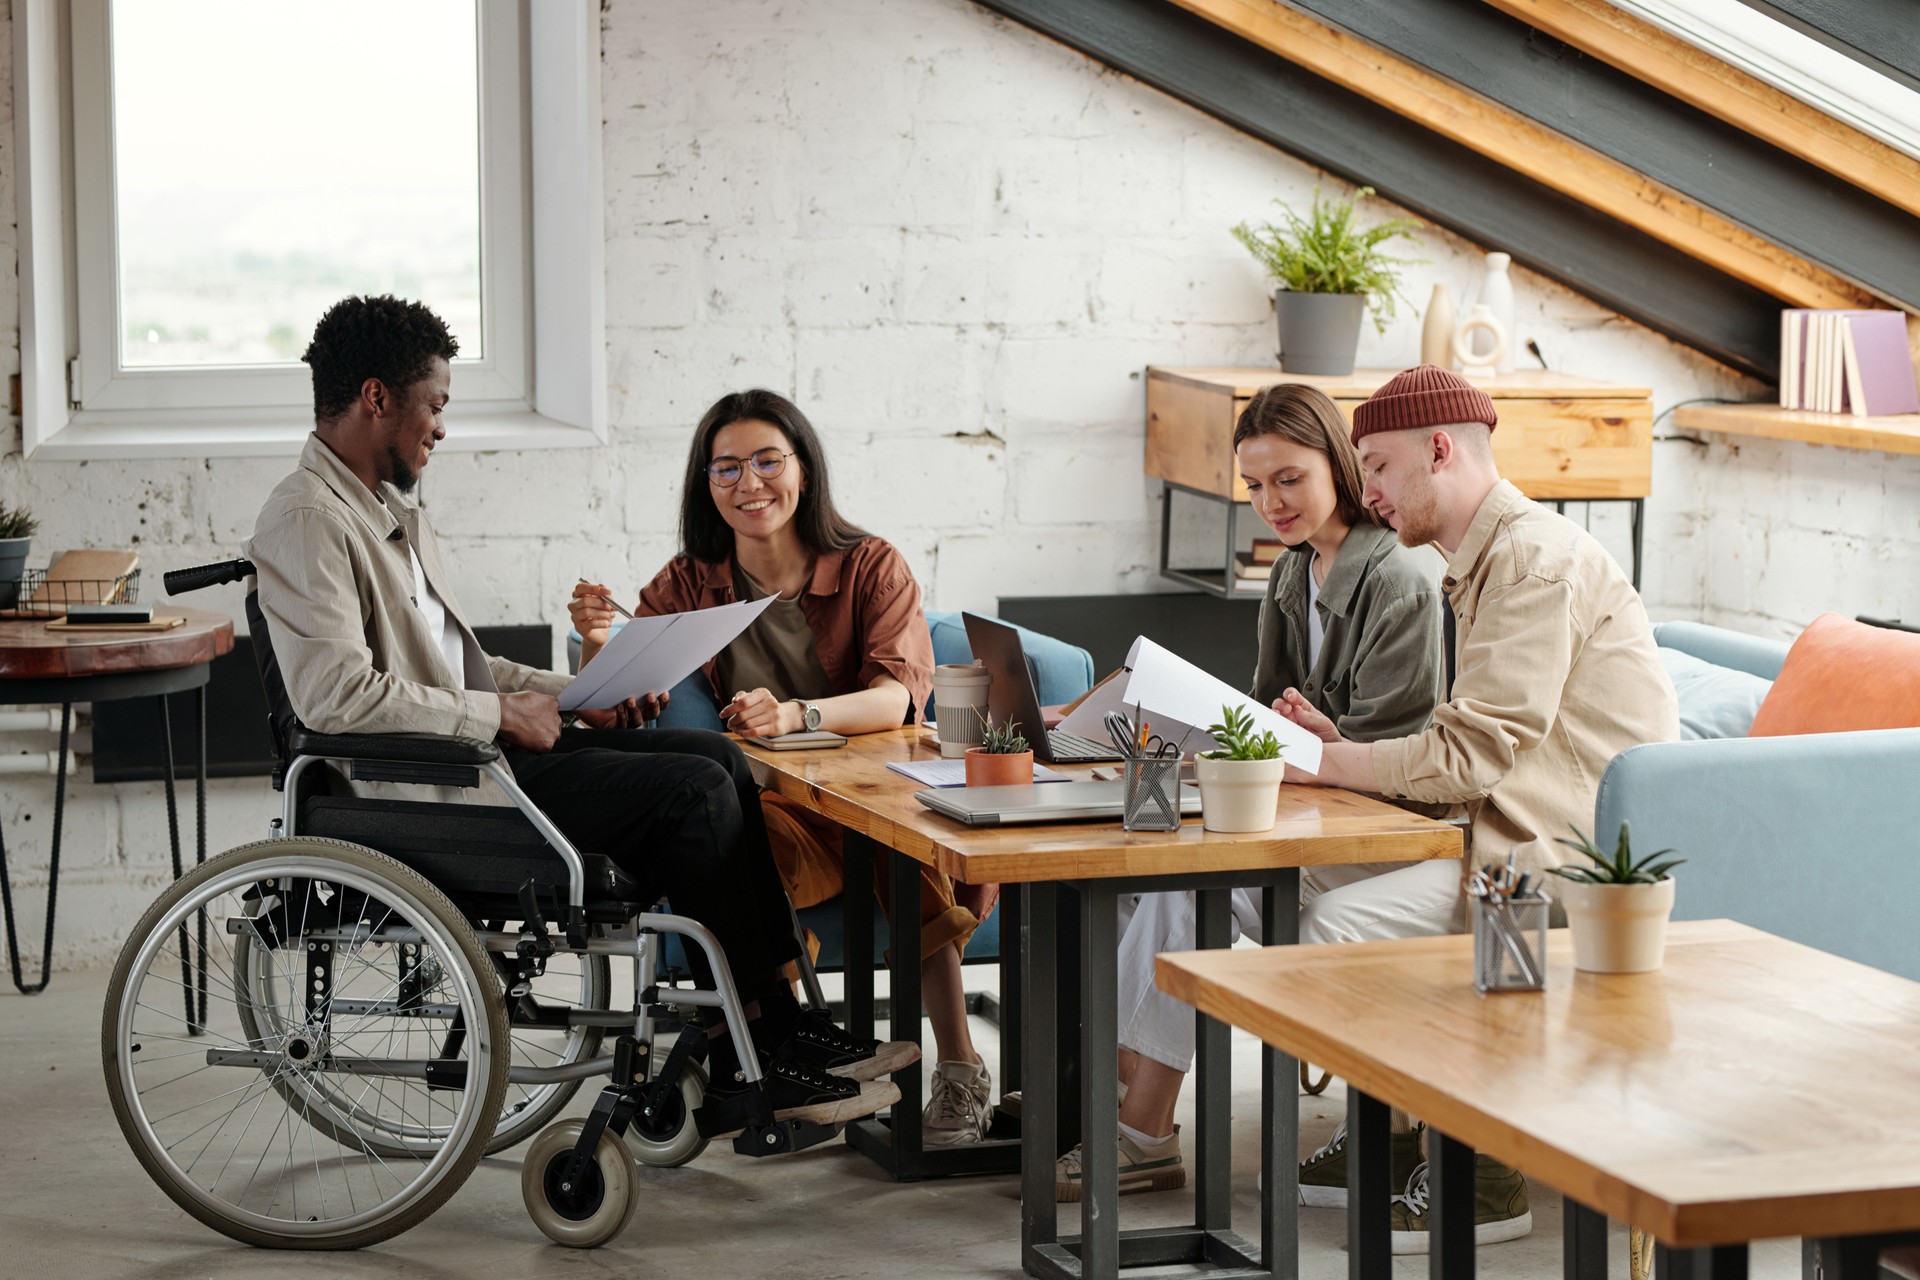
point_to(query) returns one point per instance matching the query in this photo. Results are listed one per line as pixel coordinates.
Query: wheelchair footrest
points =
(782, 1137)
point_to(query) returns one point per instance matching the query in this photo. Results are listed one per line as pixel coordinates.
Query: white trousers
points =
(1337, 904)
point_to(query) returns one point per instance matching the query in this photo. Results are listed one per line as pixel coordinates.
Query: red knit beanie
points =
(1426, 396)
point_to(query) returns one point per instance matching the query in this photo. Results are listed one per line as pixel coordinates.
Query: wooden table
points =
(65, 667)
(1752, 1087)
(1561, 438)
(1065, 971)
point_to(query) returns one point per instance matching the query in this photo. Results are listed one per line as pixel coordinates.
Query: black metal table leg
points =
(1100, 1069)
(1848, 1258)
(1450, 1209)
(20, 983)
(1583, 1242)
(905, 1021)
(1013, 914)
(1719, 1262)
(1213, 1099)
(1280, 1106)
(1369, 1158)
(1039, 1123)
(856, 902)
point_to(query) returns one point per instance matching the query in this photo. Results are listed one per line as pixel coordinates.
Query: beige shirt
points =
(1556, 673)
(358, 655)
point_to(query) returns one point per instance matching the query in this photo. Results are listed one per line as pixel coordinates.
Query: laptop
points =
(1037, 802)
(1012, 698)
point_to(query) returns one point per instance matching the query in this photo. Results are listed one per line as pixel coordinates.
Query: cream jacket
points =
(1555, 674)
(336, 586)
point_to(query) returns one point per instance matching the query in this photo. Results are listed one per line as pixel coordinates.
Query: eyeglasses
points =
(766, 463)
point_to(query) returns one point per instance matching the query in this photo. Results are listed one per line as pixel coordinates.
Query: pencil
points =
(614, 604)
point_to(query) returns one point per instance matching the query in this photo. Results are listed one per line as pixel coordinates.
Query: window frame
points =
(542, 381)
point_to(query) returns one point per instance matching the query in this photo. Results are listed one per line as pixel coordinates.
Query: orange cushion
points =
(1842, 675)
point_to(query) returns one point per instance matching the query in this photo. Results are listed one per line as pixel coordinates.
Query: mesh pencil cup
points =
(1146, 793)
(1510, 943)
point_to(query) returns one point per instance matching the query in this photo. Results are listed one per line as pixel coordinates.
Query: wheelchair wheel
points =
(588, 1213)
(253, 1122)
(572, 981)
(670, 1139)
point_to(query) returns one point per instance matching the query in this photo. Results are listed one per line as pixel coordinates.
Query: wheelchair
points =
(312, 1040)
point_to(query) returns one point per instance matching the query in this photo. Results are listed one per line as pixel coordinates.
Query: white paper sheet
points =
(651, 655)
(1174, 695)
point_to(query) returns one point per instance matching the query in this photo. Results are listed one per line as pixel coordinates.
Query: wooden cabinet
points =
(1561, 438)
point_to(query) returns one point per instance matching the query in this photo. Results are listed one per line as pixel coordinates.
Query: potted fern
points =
(16, 538)
(1003, 758)
(1329, 272)
(1240, 778)
(1618, 907)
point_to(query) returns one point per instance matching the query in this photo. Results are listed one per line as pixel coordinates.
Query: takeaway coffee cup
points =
(960, 706)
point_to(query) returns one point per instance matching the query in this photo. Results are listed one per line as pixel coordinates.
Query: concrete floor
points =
(73, 1202)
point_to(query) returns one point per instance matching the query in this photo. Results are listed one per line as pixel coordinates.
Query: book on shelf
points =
(1846, 361)
(1245, 566)
(1267, 550)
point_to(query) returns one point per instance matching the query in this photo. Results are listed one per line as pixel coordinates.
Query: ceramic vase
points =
(1618, 928)
(1477, 364)
(986, 769)
(1496, 294)
(1436, 333)
(1239, 795)
(1319, 332)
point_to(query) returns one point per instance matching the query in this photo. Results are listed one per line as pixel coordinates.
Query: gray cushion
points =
(1715, 702)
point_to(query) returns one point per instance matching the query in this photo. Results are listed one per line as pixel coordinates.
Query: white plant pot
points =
(1239, 795)
(1617, 928)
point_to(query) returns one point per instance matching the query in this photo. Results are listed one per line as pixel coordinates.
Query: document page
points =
(651, 655)
(1174, 695)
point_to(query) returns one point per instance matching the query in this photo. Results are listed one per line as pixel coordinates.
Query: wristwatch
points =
(809, 714)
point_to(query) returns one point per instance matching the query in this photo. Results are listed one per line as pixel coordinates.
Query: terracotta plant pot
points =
(1239, 795)
(1617, 928)
(984, 769)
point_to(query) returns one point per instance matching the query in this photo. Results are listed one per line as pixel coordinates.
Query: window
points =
(214, 182)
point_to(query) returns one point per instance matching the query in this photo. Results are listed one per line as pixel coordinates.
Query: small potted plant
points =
(1617, 907)
(16, 537)
(1003, 759)
(1240, 778)
(1329, 272)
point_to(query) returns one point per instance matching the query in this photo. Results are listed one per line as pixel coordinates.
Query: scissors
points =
(1126, 739)
(1167, 748)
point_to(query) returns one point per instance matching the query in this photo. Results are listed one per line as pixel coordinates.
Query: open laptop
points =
(1037, 802)
(1012, 698)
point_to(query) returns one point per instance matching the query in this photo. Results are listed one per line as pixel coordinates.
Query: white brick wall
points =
(958, 245)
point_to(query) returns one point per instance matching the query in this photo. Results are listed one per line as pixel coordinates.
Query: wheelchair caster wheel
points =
(591, 1211)
(670, 1139)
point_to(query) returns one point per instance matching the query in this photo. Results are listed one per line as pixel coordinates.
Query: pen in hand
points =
(611, 602)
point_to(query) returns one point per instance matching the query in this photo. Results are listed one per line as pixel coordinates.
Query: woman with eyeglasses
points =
(844, 647)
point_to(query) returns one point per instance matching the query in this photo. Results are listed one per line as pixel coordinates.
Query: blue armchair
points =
(1815, 837)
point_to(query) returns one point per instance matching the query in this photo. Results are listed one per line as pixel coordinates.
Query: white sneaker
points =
(1141, 1168)
(961, 1105)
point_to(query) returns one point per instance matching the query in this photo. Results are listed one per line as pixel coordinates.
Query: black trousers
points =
(678, 810)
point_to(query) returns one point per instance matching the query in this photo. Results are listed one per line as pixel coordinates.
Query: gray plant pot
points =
(1319, 332)
(13, 567)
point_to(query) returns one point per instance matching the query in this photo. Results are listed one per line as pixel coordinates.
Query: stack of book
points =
(1853, 362)
(1251, 569)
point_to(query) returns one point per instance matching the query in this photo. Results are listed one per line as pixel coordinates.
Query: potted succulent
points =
(1003, 759)
(16, 537)
(1617, 907)
(1240, 778)
(1329, 271)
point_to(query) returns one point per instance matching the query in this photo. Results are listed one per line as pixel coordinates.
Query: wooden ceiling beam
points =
(1542, 154)
(1666, 62)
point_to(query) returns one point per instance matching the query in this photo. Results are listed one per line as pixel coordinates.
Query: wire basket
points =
(38, 596)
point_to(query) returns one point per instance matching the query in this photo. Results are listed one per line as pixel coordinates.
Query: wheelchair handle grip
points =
(181, 581)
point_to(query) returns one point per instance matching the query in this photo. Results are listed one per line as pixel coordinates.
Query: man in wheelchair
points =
(370, 640)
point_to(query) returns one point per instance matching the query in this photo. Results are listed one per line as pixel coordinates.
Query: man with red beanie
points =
(1555, 674)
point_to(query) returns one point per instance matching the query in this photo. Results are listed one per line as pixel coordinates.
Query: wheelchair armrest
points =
(413, 748)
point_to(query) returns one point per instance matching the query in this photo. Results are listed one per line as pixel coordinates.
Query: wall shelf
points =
(1895, 434)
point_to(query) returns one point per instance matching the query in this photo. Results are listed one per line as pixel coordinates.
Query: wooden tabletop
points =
(1750, 1088)
(1317, 826)
(28, 651)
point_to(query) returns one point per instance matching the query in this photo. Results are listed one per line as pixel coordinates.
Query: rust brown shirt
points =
(862, 604)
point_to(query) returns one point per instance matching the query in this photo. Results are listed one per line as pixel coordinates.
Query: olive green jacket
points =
(1381, 669)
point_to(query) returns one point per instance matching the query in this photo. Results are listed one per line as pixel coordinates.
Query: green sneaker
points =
(1323, 1175)
(1499, 1207)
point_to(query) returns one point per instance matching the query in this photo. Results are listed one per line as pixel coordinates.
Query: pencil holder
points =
(1510, 943)
(1147, 793)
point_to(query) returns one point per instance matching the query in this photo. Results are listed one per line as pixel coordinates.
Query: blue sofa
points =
(1062, 672)
(1815, 837)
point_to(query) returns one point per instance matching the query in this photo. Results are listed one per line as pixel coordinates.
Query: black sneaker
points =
(796, 1090)
(816, 1039)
